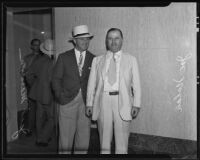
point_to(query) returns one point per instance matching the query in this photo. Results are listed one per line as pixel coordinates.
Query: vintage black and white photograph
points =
(96, 80)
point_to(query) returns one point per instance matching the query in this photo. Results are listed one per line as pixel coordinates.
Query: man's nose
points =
(113, 42)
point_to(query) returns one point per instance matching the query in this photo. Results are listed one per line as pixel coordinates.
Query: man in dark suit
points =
(70, 87)
(29, 61)
(41, 92)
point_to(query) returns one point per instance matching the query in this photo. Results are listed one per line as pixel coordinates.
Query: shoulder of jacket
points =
(129, 56)
(28, 56)
(47, 57)
(90, 53)
(66, 53)
(100, 57)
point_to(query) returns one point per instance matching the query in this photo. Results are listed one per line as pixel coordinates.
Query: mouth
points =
(115, 46)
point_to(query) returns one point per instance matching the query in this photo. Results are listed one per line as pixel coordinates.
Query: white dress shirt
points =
(107, 86)
(77, 53)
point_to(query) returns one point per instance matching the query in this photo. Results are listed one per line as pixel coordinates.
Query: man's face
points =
(114, 41)
(82, 43)
(35, 46)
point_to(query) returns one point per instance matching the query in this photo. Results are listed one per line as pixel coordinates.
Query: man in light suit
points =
(70, 80)
(113, 95)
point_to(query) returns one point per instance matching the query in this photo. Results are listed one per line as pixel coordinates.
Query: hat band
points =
(82, 34)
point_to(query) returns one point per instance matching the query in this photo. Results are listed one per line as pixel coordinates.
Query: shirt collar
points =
(117, 55)
(78, 52)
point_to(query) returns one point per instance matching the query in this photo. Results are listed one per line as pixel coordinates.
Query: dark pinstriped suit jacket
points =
(66, 80)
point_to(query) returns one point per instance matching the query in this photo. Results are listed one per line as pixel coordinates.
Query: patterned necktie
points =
(112, 72)
(80, 63)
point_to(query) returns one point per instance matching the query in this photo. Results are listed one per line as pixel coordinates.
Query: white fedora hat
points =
(47, 47)
(81, 31)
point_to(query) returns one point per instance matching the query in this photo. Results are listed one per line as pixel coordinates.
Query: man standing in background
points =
(113, 94)
(29, 61)
(41, 92)
(70, 80)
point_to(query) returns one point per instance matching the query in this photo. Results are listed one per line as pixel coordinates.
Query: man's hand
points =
(88, 111)
(134, 111)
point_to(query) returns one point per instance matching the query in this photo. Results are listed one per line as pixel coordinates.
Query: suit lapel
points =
(103, 66)
(121, 69)
(74, 62)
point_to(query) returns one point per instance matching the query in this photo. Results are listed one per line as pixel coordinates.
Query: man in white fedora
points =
(114, 93)
(70, 80)
(41, 92)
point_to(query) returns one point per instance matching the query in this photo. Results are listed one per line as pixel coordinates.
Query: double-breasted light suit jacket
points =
(129, 85)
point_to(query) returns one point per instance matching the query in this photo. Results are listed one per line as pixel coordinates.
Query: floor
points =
(26, 146)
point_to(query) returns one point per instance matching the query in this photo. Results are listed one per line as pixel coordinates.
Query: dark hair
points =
(33, 40)
(114, 29)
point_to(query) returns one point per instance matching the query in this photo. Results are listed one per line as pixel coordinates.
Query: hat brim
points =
(49, 52)
(83, 36)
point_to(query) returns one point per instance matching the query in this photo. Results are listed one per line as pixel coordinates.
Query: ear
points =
(31, 47)
(74, 40)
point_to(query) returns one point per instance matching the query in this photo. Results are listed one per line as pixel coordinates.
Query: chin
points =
(114, 51)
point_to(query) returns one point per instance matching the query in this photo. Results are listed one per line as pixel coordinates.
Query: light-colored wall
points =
(11, 99)
(160, 38)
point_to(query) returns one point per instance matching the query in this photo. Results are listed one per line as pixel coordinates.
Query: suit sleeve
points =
(57, 76)
(31, 74)
(29, 62)
(91, 88)
(136, 88)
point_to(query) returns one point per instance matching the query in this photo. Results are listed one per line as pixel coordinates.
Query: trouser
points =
(74, 125)
(108, 119)
(31, 114)
(44, 122)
